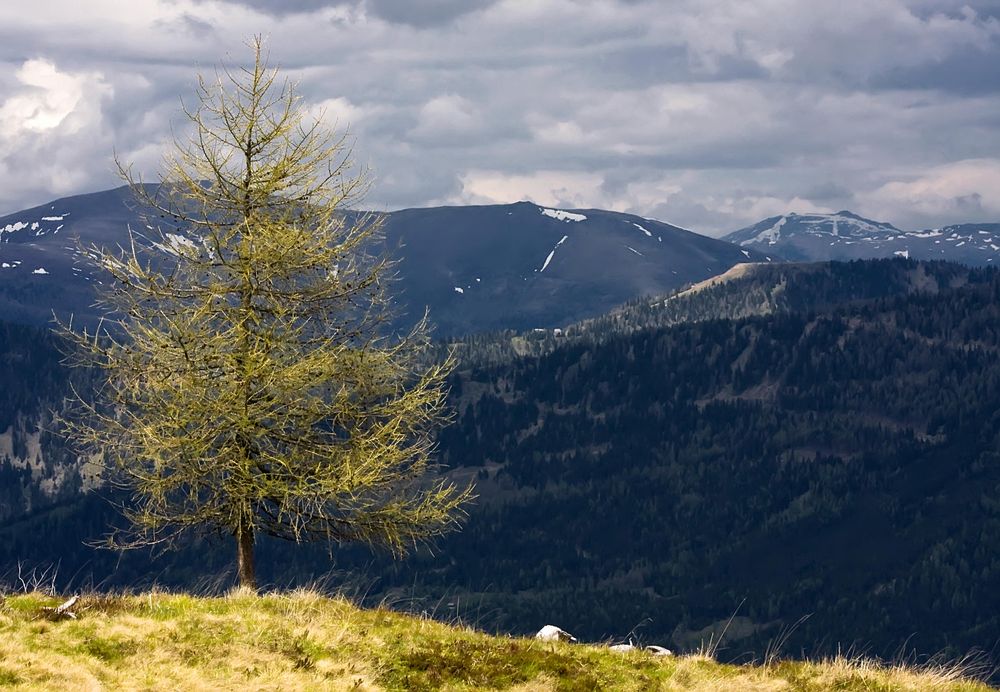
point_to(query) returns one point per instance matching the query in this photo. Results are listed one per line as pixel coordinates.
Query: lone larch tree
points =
(253, 386)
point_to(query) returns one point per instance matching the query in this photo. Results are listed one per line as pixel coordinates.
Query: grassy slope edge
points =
(304, 640)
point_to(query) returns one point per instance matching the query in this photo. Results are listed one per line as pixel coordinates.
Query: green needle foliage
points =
(253, 387)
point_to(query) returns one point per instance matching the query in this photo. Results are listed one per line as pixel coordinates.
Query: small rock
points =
(622, 648)
(551, 633)
(659, 651)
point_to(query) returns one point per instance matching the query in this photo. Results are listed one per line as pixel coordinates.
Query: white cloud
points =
(559, 132)
(751, 208)
(963, 191)
(52, 130)
(547, 188)
(338, 113)
(448, 119)
(47, 96)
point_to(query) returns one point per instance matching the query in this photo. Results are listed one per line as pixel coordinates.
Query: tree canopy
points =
(254, 386)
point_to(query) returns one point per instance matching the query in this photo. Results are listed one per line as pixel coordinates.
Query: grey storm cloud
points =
(423, 13)
(968, 70)
(828, 192)
(708, 115)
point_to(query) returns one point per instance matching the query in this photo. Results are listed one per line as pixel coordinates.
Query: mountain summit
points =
(847, 236)
(843, 224)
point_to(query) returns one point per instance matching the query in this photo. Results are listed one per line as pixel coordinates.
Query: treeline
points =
(747, 290)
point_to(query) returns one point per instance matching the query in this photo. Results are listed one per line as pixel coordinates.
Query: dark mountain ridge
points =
(746, 290)
(475, 268)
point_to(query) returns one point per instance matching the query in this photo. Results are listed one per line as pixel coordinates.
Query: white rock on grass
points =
(659, 650)
(623, 648)
(551, 633)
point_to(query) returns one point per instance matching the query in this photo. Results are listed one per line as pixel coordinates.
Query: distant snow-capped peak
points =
(846, 236)
(840, 224)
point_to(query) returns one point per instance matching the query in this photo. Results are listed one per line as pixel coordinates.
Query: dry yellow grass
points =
(305, 641)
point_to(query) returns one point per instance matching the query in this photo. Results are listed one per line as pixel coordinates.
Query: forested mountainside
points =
(743, 291)
(844, 466)
(36, 467)
(35, 378)
(832, 477)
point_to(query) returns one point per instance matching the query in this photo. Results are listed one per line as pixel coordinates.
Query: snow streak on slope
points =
(771, 235)
(552, 254)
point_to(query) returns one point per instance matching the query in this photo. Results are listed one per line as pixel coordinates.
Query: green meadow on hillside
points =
(302, 640)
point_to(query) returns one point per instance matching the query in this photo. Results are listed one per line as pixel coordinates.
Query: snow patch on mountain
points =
(854, 224)
(13, 227)
(40, 227)
(560, 215)
(770, 235)
(174, 243)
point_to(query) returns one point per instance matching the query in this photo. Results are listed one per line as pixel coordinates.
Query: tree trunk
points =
(244, 557)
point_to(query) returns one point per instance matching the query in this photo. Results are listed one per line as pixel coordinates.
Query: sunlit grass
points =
(303, 640)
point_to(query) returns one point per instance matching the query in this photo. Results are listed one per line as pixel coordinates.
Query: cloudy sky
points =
(710, 114)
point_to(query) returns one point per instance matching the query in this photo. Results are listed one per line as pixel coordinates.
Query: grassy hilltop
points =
(307, 641)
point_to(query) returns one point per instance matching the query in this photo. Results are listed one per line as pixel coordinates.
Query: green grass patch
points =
(112, 650)
(29, 605)
(484, 665)
(305, 652)
(9, 678)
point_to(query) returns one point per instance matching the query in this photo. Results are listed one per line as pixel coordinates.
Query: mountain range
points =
(513, 266)
(847, 236)
(475, 267)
